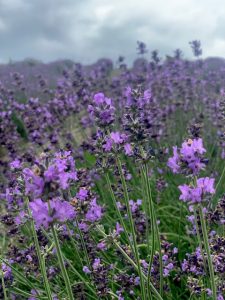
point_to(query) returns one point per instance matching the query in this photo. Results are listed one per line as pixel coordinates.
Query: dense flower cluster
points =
(196, 194)
(45, 213)
(188, 156)
(102, 110)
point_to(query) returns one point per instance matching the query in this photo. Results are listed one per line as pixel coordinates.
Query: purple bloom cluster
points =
(102, 110)
(196, 194)
(188, 156)
(56, 210)
(60, 172)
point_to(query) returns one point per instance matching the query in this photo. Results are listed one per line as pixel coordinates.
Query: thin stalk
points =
(146, 208)
(3, 280)
(19, 275)
(221, 177)
(209, 258)
(74, 245)
(87, 284)
(3, 287)
(38, 250)
(160, 256)
(150, 213)
(179, 228)
(117, 209)
(20, 292)
(155, 231)
(61, 263)
(83, 244)
(199, 238)
(129, 213)
(157, 295)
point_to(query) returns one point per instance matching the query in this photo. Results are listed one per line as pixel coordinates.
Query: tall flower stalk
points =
(117, 209)
(208, 252)
(136, 253)
(40, 257)
(62, 265)
(154, 230)
(155, 292)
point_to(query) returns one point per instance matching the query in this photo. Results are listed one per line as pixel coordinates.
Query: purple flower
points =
(40, 213)
(7, 271)
(195, 194)
(95, 212)
(34, 184)
(166, 272)
(82, 194)
(59, 211)
(209, 292)
(207, 184)
(165, 257)
(173, 162)
(101, 245)
(16, 164)
(108, 145)
(175, 250)
(86, 270)
(61, 170)
(102, 110)
(189, 156)
(128, 149)
(116, 137)
(96, 264)
(134, 205)
(119, 229)
(184, 265)
(185, 192)
(100, 98)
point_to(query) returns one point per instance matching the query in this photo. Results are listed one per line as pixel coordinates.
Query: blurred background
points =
(84, 31)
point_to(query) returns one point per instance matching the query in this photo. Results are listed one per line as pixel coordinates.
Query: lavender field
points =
(112, 178)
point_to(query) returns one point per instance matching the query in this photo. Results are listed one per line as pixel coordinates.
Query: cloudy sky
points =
(85, 30)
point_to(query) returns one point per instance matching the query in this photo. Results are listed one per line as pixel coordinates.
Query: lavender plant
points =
(93, 205)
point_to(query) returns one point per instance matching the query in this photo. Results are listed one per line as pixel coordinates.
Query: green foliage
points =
(20, 126)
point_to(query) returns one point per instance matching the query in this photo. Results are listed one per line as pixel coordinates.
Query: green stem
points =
(157, 295)
(62, 266)
(150, 214)
(221, 177)
(129, 213)
(83, 244)
(179, 228)
(209, 258)
(17, 274)
(87, 284)
(38, 250)
(160, 256)
(155, 231)
(3, 280)
(146, 208)
(117, 209)
(199, 238)
(3, 287)
(75, 246)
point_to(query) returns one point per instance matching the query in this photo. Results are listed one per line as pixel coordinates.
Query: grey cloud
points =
(85, 30)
